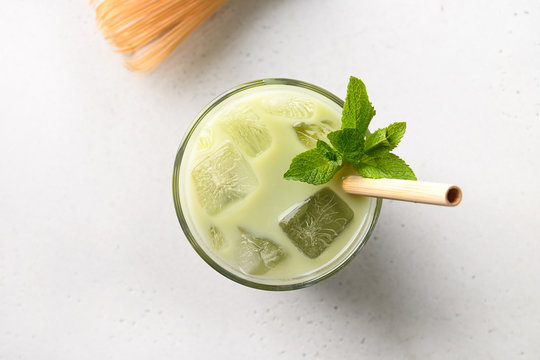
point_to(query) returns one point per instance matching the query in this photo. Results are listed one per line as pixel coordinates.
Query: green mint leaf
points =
(316, 166)
(327, 151)
(384, 140)
(395, 132)
(349, 143)
(357, 110)
(384, 166)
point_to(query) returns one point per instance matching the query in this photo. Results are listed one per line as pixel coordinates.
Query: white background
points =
(94, 265)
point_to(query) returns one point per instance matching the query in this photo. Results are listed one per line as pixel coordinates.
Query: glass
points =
(343, 258)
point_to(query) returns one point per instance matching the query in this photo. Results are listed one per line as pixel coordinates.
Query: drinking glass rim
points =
(176, 192)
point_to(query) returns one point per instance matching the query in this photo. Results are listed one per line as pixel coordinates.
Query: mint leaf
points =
(395, 132)
(316, 166)
(375, 142)
(357, 110)
(327, 151)
(349, 143)
(384, 140)
(384, 166)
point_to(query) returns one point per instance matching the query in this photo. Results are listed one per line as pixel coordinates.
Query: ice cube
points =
(223, 177)
(314, 223)
(308, 134)
(290, 106)
(247, 130)
(217, 239)
(257, 255)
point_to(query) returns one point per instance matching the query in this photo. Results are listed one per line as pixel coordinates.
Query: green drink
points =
(238, 211)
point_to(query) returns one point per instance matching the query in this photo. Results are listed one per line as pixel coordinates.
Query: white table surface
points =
(94, 265)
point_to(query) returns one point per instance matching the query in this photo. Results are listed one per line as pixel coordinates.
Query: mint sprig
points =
(370, 156)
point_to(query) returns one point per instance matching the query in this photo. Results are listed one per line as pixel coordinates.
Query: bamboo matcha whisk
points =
(146, 31)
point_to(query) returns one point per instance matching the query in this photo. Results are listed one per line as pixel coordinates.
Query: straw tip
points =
(454, 195)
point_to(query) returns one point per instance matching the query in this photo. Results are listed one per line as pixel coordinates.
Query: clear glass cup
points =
(182, 211)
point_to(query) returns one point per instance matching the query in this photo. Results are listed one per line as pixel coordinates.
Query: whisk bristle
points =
(146, 31)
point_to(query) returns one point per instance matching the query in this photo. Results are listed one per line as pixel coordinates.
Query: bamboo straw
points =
(405, 190)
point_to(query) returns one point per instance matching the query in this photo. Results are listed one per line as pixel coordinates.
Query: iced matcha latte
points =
(238, 211)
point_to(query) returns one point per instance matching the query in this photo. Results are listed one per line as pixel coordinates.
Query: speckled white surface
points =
(93, 263)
